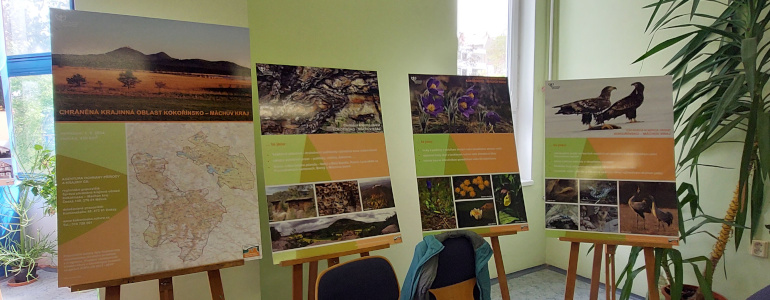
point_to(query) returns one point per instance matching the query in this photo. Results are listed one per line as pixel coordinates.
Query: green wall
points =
(601, 38)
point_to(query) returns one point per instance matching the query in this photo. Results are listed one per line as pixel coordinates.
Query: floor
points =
(537, 283)
(545, 283)
(45, 288)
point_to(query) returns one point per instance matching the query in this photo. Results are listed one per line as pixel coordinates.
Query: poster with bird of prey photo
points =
(610, 158)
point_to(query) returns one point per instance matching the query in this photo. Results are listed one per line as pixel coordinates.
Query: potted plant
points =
(21, 249)
(720, 73)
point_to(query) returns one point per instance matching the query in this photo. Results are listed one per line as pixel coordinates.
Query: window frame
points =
(521, 68)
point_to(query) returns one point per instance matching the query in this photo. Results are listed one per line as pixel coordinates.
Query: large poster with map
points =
(155, 146)
(326, 170)
(609, 159)
(465, 152)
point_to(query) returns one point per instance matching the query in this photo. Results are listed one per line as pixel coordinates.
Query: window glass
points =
(32, 110)
(482, 34)
(27, 26)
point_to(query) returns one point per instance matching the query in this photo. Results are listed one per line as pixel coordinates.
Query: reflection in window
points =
(27, 26)
(32, 110)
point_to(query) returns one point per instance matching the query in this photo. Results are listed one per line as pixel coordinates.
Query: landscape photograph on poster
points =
(475, 213)
(612, 107)
(561, 190)
(376, 193)
(320, 231)
(598, 192)
(437, 210)
(121, 68)
(311, 100)
(460, 104)
(509, 199)
(648, 208)
(291, 202)
(561, 216)
(599, 218)
(335, 198)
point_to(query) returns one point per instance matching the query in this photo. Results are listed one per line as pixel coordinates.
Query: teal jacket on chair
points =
(422, 271)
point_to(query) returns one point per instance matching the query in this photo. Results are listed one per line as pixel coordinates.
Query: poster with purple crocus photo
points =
(465, 153)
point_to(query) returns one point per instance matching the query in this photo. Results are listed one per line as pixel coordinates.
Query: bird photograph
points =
(625, 107)
(598, 192)
(648, 208)
(587, 108)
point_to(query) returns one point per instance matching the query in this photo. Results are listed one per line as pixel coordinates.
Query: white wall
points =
(601, 38)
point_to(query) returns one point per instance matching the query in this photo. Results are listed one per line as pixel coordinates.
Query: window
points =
(497, 38)
(26, 32)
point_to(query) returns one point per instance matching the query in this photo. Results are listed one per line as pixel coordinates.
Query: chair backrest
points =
(456, 266)
(365, 278)
(761, 294)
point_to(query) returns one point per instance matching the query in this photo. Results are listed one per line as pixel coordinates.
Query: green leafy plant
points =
(41, 177)
(720, 73)
(20, 248)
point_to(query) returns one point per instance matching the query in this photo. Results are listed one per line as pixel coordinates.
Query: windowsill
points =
(527, 182)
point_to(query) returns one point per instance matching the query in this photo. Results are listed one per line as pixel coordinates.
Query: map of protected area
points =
(192, 194)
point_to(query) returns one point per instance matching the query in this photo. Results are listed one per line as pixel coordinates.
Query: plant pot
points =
(22, 275)
(688, 292)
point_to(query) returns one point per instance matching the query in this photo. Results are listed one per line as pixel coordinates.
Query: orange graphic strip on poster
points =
(636, 159)
(350, 156)
(98, 255)
(488, 152)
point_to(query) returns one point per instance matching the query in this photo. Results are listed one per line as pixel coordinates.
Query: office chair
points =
(365, 278)
(456, 272)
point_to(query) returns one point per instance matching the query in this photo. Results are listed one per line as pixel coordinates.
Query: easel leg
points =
(166, 288)
(332, 261)
(312, 277)
(609, 275)
(649, 261)
(596, 271)
(215, 285)
(113, 293)
(574, 252)
(296, 282)
(502, 280)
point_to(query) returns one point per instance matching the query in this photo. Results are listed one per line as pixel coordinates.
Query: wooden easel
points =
(331, 259)
(165, 286)
(502, 280)
(608, 247)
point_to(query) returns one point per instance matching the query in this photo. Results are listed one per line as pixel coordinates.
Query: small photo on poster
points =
(561, 216)
(598, 192)
(460, 104)
(599, 218)
(291, 202)
(436, 204)
(310, 100)
(561, 190)
(337, 197)
(325, 230)
(472, 187)
(509, 199)
(648, 208)
(475, 213)
(376, 193)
